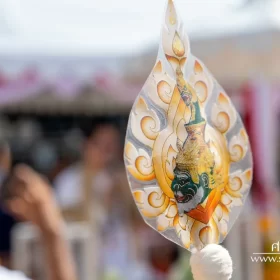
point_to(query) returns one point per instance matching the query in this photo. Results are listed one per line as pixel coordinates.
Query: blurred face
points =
(102, 147)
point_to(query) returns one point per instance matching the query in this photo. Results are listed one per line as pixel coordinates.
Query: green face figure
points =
(187, 193)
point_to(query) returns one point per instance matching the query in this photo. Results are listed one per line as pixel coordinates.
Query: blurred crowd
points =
(82, 159)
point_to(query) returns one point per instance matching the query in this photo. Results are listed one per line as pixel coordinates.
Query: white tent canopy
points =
(246, 46)
(84, 36)
(75, 40)
(93, 27)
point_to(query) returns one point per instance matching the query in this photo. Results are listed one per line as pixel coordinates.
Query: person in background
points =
(31, 199)
(77, 186)
(83, 190)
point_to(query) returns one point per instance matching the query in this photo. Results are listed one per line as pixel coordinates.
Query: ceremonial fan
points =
(187, 154)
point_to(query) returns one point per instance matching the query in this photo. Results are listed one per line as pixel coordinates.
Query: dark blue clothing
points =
(6, 224)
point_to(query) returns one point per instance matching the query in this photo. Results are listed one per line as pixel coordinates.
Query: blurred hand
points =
(33, 200)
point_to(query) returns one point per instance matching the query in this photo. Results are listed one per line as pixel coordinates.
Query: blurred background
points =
(69, 73)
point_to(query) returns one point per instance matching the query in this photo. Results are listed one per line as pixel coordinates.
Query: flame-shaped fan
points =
(187, 153)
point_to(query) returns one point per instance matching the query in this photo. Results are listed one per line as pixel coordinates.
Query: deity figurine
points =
(194, 171)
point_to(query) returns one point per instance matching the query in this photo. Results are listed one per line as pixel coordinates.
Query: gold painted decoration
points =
(187, 152)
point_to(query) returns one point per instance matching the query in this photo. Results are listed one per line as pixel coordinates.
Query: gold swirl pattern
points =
(238, 146)
(159, 82)
(164, 91)
(165, 220)
(151, 154)
(223, 114)
(239, 183)
(203, 235)
(183, 226)
(148, 120)
(139, 163)
(221, 217)
(151, 201)
(197, 68)
(201, 82)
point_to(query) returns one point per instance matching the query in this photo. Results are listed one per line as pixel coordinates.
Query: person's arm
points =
(59, 260)
(33, 201)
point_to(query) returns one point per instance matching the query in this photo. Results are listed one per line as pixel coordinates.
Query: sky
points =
(96, 27)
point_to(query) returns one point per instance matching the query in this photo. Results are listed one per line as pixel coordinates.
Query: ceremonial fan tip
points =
(211, 263)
